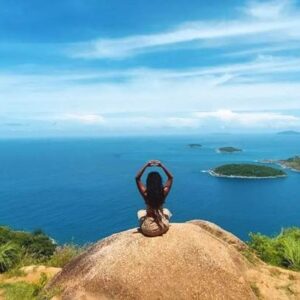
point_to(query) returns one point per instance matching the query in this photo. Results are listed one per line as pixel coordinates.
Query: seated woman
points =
(154, 220)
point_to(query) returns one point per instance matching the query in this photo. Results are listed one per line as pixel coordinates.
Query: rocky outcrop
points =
(186, 263)
(193, 260)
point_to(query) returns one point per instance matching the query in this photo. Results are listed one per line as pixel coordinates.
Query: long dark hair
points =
(155, 191)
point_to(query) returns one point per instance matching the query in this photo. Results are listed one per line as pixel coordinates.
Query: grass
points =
(63, 254)
(24, 290)
(282, 250)
(19, 290)
(28, 291)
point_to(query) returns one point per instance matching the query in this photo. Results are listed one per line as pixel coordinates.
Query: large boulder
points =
(188, 262)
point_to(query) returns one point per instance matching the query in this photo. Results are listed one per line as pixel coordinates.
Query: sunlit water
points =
(84, 189)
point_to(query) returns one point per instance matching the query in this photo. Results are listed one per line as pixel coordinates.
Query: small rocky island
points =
(195, 145)
(251, 171)
(228, 149)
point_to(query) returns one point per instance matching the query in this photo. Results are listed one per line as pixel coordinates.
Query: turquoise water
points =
(84, 189)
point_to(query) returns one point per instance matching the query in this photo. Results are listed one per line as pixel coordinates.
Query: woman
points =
(154, 220)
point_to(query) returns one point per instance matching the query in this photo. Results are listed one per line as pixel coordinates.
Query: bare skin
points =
(141, 187)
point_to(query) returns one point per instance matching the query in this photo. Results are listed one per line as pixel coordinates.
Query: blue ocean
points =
(81, 190)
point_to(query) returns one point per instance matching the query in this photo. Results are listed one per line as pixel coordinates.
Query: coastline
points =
(280, 164)
(213, 173)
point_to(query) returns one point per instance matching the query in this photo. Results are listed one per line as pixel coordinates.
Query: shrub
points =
(281, 250)
(19, 290)
(9, 256)
(37, 244)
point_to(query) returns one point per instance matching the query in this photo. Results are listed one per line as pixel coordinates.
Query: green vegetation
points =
(19, 247)
(247, 170)
(37, 244)
(282, 250)
(20, 290)
(27, 291)
(229, 149)
(292, 162)
(63, 254)
(9, 255)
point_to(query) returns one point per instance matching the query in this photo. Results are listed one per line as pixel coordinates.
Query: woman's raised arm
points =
(140, 185)
(169, 182)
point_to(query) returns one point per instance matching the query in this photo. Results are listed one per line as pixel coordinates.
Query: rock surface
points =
(188, 262)
(193, 260)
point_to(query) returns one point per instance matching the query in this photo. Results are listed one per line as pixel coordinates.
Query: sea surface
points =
(81, 190)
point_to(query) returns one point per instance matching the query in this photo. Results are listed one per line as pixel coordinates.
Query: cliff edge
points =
(193, 260)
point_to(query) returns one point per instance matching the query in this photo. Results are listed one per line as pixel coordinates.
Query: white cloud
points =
(268, 9)
(251, 119)
(242, 86)
(261, 22)
(82, 118)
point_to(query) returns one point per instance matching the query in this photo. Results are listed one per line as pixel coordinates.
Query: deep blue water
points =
(84, 189)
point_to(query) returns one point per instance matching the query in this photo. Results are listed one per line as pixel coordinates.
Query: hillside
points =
(194, 260)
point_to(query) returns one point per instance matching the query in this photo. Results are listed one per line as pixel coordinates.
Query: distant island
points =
(251, 171)
(194, 145)
(229, 149)
(289, 132)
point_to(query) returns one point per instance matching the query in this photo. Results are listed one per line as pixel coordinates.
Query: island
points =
(194, 145)
(292, 163)
(251, 171)
(228, 149)
(289, 132)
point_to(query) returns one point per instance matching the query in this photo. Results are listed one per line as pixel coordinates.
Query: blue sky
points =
(99, 67)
